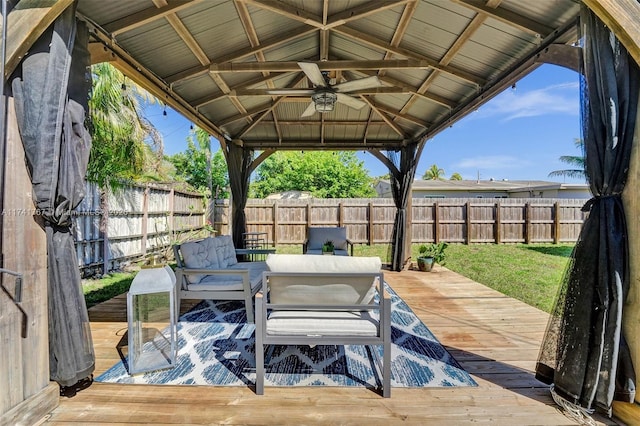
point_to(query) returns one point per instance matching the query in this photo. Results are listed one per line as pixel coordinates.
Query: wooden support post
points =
(498, 224)
(556, 222)
(308, 214)
(340, 214)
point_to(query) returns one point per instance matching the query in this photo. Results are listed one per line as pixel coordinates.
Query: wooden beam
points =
(622, 17)
(383, 45)
(323, 65)
(28, 20)
(247, 85)
(289, 11)
(136, 20)
(405, 117)
(369, 91)
(396, 128)
(242, 53)
(313, 145)
(362, 11)
(385, 160)
(260, 158)
(188, 38)
(507, 17)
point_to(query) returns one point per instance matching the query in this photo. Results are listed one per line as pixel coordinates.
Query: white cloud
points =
(555, 99)
(490, 162)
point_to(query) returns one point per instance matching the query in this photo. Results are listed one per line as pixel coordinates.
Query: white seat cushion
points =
(321, 323)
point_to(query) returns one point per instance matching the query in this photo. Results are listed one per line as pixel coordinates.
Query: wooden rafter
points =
(146, 16)
(200, 102)
(466, 34)
(381, 44)
(401, 28)
(507, 17)
(396, 128)
(242, 53)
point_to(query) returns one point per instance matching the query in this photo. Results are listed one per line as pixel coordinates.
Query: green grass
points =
(530, 273)
(99, 290)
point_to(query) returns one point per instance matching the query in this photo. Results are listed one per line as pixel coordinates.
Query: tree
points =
(433, 173)
(198, 167)
(325, 174)
(126, 146)
(455, 176)
(577, 161)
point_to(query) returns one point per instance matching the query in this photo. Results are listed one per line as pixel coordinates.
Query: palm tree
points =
(433, 173)
(577, 161)
(455, 176)
(125, 146)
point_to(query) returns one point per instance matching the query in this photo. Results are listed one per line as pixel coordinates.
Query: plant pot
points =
(425, 264)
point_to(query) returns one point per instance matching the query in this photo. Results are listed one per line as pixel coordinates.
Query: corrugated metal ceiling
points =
(215, 61)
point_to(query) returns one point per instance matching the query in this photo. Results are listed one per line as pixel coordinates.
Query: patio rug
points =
(216, 347)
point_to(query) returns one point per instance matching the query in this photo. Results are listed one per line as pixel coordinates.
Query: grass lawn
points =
(530, 273)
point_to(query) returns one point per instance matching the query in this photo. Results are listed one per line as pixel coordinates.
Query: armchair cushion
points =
(322, 290)
(199, 255)
(321, 323)
(227, 250)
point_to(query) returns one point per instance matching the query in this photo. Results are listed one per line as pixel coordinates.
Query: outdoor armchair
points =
(317, 236)
(301, 303)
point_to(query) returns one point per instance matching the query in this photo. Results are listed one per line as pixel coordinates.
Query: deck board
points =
(495, 338)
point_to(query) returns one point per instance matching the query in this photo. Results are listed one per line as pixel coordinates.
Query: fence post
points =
(467, 208)
(370, 224)
(104, 221)
(308, 214)
(145, 220)
(556, 222)
(436, 222)
(172, 208)
(527, 223)
(497, 230)
(340, 214)
(275, 222)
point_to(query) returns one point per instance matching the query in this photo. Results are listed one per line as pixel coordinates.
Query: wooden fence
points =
(143, 220)
(132, 223)
(454, 220)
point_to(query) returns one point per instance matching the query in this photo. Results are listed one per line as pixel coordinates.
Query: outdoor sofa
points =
(323, 300)
(208, 269)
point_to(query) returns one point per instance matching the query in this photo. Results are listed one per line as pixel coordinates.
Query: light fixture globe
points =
(324, 100)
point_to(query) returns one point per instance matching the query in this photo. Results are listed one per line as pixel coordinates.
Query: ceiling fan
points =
(324, 95)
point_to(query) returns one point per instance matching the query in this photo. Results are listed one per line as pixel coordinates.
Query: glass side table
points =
(152, 322)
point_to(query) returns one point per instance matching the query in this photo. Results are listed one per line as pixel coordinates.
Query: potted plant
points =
(328, 247)
(430, 254)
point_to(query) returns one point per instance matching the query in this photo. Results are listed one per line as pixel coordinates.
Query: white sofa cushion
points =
(199, 255)
(322, 290)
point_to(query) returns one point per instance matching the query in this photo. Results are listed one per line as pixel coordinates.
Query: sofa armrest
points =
(350, 247)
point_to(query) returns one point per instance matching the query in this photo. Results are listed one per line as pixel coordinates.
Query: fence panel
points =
(148, 219)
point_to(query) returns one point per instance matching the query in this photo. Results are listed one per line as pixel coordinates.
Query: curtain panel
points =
(584, 352)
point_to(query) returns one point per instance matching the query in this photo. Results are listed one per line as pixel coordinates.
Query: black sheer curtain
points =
(239, 164)
(584, 352)
(51, 89)
(401, 180)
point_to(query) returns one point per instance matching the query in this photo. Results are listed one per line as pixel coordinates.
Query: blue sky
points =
(518, 135)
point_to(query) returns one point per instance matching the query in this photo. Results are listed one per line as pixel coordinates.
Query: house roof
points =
(218, 61)
(492, 185)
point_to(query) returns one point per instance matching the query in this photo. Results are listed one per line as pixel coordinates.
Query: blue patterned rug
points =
(216, 347)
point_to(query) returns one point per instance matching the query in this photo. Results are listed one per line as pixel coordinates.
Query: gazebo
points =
(259, 75)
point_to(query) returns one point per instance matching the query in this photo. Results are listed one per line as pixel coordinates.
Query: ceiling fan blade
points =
(313, 73)
(311, 109)
(360, 84)
(350, 101)
(290, 92)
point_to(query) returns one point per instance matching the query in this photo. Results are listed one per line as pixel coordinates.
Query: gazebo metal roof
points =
(216, 60)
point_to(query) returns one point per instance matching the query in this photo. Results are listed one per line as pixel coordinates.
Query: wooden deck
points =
(495, 338)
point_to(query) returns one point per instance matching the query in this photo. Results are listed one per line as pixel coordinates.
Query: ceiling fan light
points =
(324, 100)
